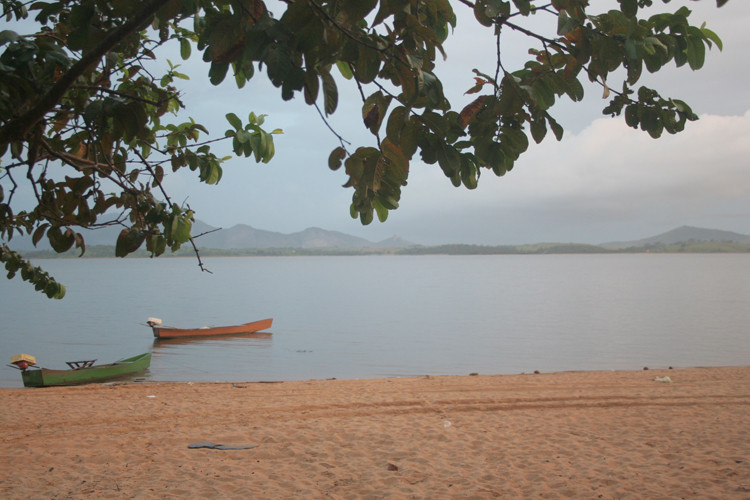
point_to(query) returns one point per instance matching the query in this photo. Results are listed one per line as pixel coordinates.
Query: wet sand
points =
(618, 434)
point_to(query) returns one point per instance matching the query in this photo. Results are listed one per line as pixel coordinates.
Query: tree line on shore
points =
(106, 251)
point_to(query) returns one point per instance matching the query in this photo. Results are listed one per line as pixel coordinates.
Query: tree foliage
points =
(89, 125)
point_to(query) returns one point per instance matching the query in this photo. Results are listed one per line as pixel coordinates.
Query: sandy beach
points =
(610, 435)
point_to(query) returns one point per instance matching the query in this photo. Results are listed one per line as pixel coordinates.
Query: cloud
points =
(609, 159)
(607, 176)
(603, 181)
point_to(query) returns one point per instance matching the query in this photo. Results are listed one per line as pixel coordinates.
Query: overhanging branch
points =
(17, 128)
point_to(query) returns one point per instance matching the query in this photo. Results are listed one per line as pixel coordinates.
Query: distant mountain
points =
(683, 234)
(242, 236)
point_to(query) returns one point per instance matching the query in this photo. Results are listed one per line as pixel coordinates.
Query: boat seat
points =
(76, 365)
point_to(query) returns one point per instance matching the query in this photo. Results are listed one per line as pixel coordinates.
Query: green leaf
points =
(365, 217)
(185, 48)
(696, 52)
(433, 89)
(267, 148)
(556, 127)
(635, 68)
(389, 202)
(8, 36)
(345, 69)
(311, 87)
(538, 129)
(469, 172)
(381, 211)
(330, 93)
(234, 121)
(211, 173)
(218, 72)
(523, 6)
(368, 64)
(574, 89)
(180, 228)
(629, 7)
(650, 121)
(255, 142)
(409, 137)
(494, 8)
(54, 290)
(449, 160)
(514, 140)
(713, 37)
(543, 94)
(243, 136)
(631, 116)
(159, 245)
(683, 108)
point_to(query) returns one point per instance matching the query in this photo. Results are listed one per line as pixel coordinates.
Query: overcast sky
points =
(602, 182)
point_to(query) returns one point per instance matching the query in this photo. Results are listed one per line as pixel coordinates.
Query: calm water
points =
(376, 316)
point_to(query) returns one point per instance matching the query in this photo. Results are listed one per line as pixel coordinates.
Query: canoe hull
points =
(164, 332)
(46, 377)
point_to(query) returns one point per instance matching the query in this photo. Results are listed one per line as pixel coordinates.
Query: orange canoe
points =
(169, 332)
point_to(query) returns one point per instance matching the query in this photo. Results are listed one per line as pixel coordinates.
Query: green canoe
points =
(84, 372)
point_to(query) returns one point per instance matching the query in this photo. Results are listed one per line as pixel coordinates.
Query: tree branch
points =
(80, 163)
(123, 94)
(325, 121)
(18, 128)
(166, 197)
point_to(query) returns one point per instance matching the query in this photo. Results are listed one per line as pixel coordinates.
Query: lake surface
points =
(387, 316)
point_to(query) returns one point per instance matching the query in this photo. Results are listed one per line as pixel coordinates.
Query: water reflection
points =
(222, 358)
(260, 339)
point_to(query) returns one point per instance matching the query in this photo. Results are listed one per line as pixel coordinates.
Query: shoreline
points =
(577, 434)
(141, 380)
(138, 380)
